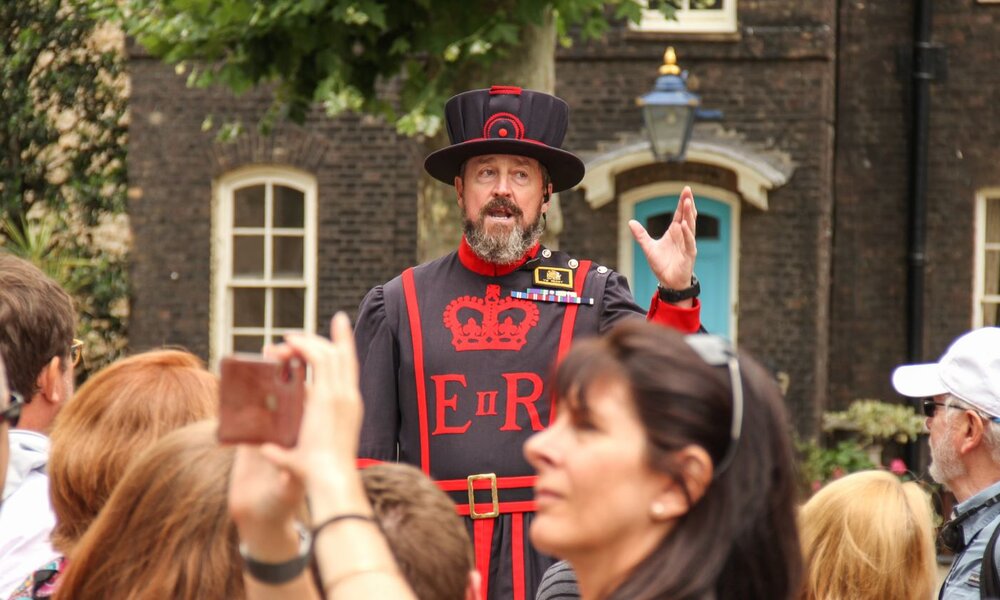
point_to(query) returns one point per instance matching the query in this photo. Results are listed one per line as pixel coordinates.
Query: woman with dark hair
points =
(667, 472)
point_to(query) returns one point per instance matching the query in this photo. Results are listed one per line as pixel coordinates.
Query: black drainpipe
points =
(927, 63)
(922, 74)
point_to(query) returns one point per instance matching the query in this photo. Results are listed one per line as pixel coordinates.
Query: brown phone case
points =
(260, 400)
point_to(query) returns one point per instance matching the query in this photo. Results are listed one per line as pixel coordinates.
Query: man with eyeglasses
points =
(962, 402)
(37, 321)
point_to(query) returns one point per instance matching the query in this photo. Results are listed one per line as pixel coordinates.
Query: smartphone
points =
(260, 400)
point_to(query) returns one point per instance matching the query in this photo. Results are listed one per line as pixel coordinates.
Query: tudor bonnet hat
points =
(507, 120)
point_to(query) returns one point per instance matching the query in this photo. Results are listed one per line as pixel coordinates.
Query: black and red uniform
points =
(454, 375)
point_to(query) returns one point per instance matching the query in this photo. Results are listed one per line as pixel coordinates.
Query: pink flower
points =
(837, 473)
(816, 485)
(897, 466)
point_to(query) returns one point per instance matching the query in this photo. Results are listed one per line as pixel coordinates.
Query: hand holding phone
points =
(260, 399)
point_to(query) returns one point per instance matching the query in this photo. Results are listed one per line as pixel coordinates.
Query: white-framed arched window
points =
(986, 291)
(263, 257)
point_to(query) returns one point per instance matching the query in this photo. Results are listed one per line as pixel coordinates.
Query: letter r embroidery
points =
(527, 401)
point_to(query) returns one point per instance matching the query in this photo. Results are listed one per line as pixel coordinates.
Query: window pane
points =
(248, 307)
(993, 221)
(706, 4)
(249, 207)
(991, 314)
(289, 307)
(706, 227)
(288, 256)
(289, 207)
(248, 343)
(248, 255)
(992, 272)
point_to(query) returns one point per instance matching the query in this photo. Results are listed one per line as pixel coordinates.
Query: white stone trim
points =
(690, 20)
(754, 177)
(979, 269)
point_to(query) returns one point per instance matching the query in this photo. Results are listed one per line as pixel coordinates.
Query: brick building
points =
(803, 186)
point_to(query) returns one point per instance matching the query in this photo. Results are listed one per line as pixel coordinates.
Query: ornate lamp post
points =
(670, 111)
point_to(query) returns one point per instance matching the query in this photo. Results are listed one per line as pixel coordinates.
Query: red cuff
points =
(364, 463)
(685, 320)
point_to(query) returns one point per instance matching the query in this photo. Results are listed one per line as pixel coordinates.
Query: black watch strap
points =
(674, 296)
(283, 572)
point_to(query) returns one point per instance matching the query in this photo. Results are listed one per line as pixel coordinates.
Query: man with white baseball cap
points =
(962, 402)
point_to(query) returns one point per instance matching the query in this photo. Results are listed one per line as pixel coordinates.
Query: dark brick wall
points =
(822, 281)
(366, 191)
(775, 83)
(869, 297)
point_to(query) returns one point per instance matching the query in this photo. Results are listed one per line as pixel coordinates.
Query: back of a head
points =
(37, 321)
(166, 531)
(114, 416)
(739, 540)
(427, 538)
(868, 536)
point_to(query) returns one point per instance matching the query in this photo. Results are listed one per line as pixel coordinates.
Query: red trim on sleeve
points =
(417, 336)
(685, 320)
(364, 463)
(566, 334)
(517, 554)
(482, 530)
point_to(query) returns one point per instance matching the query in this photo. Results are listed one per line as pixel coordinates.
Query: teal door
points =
(714, 235)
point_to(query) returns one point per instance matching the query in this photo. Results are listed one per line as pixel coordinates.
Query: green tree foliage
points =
(343, 53)
(62, 158)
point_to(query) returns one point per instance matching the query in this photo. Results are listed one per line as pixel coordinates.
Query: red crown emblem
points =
(489, 323)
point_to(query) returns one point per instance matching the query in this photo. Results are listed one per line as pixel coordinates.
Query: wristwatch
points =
(283, 572)
(674, 296)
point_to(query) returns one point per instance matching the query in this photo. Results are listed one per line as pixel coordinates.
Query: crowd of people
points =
(561, 448)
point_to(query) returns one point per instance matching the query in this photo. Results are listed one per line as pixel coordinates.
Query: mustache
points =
(501, 203)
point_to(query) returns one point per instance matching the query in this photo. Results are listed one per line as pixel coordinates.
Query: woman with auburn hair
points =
(165, 532)
(113, 417)
(667, 472)
(868, 536)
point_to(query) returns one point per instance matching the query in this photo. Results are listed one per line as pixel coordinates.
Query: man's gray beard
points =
(505, 246)
(946, 466)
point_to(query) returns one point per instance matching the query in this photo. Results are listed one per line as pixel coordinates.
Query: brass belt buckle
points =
(493, 491)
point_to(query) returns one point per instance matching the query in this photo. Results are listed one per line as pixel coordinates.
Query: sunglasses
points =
(930, 409)
(718, 352)
(12, 414)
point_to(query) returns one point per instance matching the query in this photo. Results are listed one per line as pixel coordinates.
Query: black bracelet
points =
(283, 572)
(674, 296)
(348, 516)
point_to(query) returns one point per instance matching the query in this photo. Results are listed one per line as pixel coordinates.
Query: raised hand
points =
(672, 257)
(333, 411)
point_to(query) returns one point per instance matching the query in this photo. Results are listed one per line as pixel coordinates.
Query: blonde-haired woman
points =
(868, 536)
